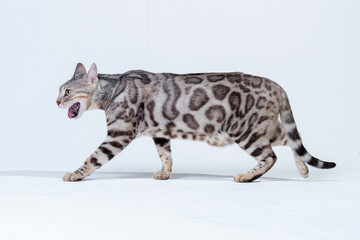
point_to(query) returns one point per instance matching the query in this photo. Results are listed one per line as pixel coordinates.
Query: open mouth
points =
(74, 110)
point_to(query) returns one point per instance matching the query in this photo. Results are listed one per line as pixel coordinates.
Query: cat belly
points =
(217, 139)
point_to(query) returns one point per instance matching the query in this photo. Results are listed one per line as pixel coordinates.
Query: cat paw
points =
(161, 175)
(301, 166)
(243, 177)
(72, 177)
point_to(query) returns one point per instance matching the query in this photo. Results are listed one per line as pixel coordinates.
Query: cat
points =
(218, 108)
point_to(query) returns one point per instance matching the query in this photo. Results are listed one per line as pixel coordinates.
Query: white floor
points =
(39, 205)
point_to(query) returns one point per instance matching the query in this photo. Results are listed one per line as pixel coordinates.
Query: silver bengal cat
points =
(218, 108)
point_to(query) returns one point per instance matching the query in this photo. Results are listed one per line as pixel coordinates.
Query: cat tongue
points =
(70, 112)
(74, 110)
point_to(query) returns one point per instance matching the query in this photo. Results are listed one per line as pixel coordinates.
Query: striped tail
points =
(294, 139)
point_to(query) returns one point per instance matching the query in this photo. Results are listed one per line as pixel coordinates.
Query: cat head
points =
(75, 94)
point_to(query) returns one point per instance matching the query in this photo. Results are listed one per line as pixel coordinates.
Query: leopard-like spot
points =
(267, 85)
(260, 104)
(215, 77)
(209, 128)
(270, 105)
(172, 95)
(193, 80)
(170, 125)
(249, 103)
(220, 91)
(190, 121)
(234, 100)
(247, 79)
(216, 112)
(234, 78)
(256, 82)
(169, 129)
(198, 99)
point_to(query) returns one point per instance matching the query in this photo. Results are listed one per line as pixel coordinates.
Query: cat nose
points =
(58, 102)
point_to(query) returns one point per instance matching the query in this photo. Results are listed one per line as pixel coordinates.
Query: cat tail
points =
(294, 140)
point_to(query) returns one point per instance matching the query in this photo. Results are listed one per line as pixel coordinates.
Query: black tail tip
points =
(328, 165)
(321, 164)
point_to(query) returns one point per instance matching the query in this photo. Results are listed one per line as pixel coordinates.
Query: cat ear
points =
(80, 69)
(91, 76)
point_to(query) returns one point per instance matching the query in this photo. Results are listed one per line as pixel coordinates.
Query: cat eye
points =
(67, 92)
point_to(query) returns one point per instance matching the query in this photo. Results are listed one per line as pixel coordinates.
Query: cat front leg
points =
(114, 143)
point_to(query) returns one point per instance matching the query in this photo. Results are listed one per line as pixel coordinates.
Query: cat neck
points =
(101, 96)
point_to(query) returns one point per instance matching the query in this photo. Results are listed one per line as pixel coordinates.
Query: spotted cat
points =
(218, 108)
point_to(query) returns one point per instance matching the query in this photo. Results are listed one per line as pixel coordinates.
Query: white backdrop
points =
(311, 48)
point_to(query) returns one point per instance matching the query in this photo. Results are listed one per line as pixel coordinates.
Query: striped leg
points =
(163, 148)
(115, 141)
(266, 159)
(277, 136)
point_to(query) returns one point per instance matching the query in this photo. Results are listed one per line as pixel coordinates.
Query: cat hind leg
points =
(277, 137)
(266, 158)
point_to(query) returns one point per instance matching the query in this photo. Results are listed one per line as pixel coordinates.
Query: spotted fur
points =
(217, 108)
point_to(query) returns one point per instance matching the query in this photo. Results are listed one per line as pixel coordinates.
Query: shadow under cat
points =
(140, 175)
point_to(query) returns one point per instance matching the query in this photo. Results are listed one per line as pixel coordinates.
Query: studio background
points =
(311, 48)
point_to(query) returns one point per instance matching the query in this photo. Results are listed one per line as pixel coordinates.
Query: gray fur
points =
(218, 108)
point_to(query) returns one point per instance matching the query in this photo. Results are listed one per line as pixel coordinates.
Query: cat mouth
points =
(74, 110)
